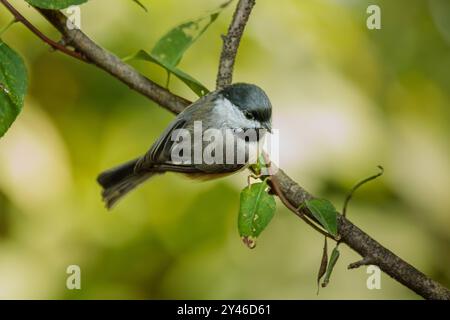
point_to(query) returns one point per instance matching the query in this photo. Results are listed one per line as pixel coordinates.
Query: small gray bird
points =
(231, 111)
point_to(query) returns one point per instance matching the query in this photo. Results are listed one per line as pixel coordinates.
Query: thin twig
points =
(363, 262)
(356, 186)
(55, 45)
(276, 187)
(366, 246)
(112, 64)
(231, 42)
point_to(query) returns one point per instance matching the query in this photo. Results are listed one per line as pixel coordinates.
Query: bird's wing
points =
(160, 151)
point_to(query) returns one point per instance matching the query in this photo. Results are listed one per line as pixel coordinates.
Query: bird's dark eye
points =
(249, 115)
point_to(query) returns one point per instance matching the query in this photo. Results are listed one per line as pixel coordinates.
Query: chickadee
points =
(231, 110)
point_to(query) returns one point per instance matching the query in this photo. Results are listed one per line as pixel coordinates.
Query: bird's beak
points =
(267, 126)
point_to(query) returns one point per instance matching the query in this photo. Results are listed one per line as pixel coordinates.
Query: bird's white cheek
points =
(231, 116)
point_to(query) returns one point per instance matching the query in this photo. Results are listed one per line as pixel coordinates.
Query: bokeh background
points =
(345, 100)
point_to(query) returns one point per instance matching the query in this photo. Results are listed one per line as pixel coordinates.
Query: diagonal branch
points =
(88, 51)
(231, 42)
(112, 64)
(369, 248)
(289, 190)
(55, 45)
(349, 234)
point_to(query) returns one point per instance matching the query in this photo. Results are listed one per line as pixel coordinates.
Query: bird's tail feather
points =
(120, 180)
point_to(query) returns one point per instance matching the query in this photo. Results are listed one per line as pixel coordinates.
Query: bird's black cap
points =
(251, 99)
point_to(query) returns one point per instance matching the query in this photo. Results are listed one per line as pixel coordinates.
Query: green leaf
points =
(55, 4)
(333, 259)
(13, 86)
(140, 5)
(257, 208)
(192, 83)
(172, 46)
(169, 50)
(324, 211)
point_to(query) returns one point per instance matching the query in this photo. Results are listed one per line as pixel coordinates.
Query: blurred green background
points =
(345, 99)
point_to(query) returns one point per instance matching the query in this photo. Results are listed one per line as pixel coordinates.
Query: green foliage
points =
(13, 86)
(54, 4)
(257, 209)
(169, 50)
(69, 224)
(171, 47)
(324, 211)
(192, 83)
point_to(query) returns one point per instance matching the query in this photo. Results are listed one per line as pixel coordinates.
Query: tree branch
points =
(363, 262)
(349, 234)
(289, 190)
(302, 214)
(114, 65)
(88, 51)
(369, 248)
(55, 45)
(231, 42)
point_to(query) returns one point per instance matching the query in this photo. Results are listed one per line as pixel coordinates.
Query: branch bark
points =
(110, 63)
(231, 42)
(369, 248)
(354, 237)
(55, 45)
(288, 189)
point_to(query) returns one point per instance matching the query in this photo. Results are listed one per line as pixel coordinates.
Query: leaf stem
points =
(297, 211)
(359, 184)
(168, 79)
(2, 31)
(231, 42)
